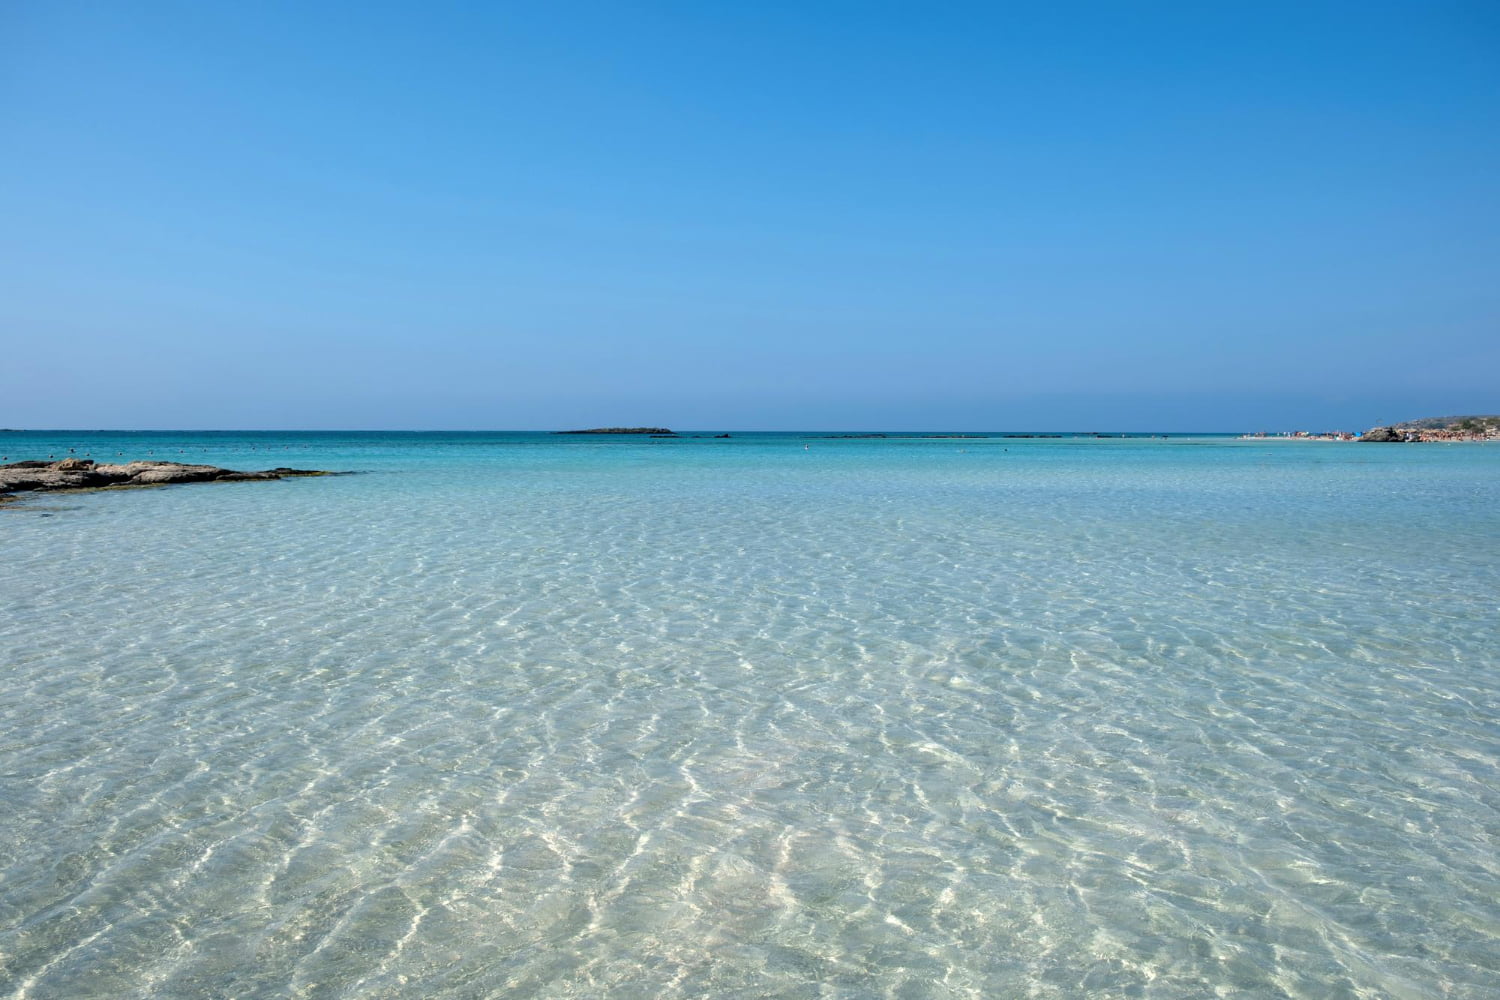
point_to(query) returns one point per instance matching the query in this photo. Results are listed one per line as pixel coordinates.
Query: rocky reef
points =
(84, 474)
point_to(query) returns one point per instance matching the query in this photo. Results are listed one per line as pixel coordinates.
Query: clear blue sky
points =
(1132, 216)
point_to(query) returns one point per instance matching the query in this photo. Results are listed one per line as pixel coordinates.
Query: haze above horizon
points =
(771, 217)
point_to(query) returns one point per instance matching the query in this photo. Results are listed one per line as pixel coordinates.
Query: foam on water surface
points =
(533, 716)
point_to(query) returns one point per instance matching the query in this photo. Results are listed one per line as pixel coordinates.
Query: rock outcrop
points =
(1445, 430)
(83, 474)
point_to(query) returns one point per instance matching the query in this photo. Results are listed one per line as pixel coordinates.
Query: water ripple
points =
(905, 723)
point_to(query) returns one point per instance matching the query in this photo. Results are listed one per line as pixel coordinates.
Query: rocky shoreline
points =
(77, 474)
(1447, 429)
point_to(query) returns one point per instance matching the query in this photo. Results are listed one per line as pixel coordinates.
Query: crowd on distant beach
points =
(1449, 434)
(1301, 436)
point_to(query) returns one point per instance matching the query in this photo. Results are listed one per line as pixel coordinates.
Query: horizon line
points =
(577, 431)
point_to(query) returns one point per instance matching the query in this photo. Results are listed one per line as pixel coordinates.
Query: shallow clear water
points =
(520, 715)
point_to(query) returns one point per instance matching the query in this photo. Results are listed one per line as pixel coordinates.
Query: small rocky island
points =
(657, 431)
(84, 474)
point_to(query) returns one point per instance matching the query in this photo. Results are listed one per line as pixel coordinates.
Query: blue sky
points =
(1133, 216)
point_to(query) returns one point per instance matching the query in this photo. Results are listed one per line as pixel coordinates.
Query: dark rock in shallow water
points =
(1381, 434)
(149, 473)
(84, 474)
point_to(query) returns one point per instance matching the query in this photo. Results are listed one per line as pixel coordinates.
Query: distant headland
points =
(74, 474)
(1446, 429)
(1471, 428)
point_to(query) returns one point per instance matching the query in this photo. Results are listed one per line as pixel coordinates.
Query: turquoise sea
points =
(520, 715)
